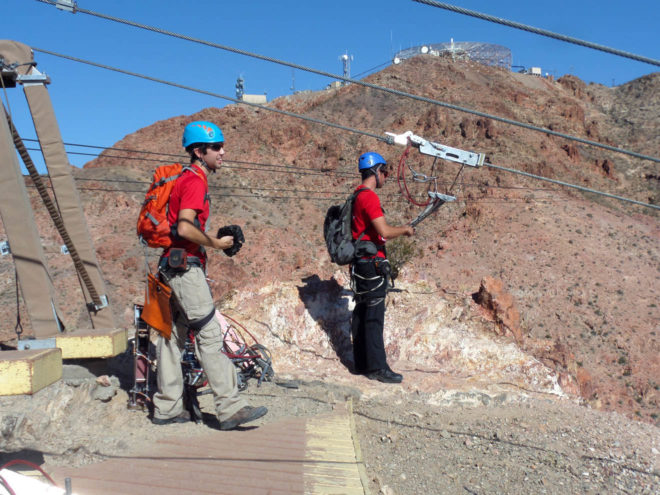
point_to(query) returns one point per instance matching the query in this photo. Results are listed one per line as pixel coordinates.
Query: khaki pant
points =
(192, 300)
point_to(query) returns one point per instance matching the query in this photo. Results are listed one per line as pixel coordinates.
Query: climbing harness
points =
(383, 274)
(251, 359)
(355, 276)
(434, 199)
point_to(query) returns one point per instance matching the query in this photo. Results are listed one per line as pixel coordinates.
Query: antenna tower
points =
(240, 88)
(346, 61)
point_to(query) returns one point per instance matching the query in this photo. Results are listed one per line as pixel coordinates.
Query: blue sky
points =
(98, 107)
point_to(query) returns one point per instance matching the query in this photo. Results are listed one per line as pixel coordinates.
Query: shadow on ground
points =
(327, 302)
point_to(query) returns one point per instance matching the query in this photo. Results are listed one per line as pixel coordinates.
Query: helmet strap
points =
(203, 163)
(206, 166)
(376, 170)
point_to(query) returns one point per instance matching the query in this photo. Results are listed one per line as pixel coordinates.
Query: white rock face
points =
(441, 349)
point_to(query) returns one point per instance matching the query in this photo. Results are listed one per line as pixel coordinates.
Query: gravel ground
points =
(523, 446)
(510, 445)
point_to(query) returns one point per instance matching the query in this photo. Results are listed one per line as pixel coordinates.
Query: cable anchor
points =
(438, 150)
(67, 5)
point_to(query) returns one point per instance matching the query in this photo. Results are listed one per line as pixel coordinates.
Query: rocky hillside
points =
(519, 285)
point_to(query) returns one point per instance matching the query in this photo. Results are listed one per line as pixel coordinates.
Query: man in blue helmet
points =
(370, 272)
(183, 267)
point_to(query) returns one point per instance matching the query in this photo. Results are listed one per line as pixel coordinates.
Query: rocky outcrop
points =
(501, 306)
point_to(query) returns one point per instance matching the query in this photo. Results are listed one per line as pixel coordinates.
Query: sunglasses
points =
(216, 146)
(385, 171)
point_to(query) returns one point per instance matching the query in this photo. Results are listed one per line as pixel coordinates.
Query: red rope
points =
(5, 483)
(30, 464)
(401, 180)
(242, 328)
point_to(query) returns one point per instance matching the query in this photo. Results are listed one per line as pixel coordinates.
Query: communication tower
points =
(240, 87)
(346, 62)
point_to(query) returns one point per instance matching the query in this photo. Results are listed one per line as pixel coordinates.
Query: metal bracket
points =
(4, 248)
(27, 344)
(439, 150)
(95, 307)
(443, 197)
(7, 74)
(67, 5)
(33, 78)
(438, 201)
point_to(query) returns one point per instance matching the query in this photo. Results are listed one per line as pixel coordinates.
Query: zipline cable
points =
(391, 197)
(302, 191)
(178, 156)
(296, 170)
(372, 69)
(346, 79)
(542, 32)
(387, 140)
(518, 172)
(573, 186)
(216, 95)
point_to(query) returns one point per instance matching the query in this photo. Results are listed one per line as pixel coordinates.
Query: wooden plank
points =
(331, 465)
(92, 343)
(26, 372)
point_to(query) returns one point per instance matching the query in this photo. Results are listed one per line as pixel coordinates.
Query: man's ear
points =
(198, 152)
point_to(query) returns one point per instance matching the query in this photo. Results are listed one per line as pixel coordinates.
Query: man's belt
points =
(163, 263)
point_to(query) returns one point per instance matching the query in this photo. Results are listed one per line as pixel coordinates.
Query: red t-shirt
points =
(189, 192)
(365, 210)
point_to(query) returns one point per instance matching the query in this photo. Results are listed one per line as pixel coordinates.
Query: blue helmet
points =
(202, 132)
(370, 159)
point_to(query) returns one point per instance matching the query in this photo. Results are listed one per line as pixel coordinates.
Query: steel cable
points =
(542, 32)
(215, 95)
(490, 165)
(265, 167)
(338, 126)
(342, 78)
(573, 186)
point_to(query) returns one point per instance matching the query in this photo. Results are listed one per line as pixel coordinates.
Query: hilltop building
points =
(484, 53)
(242, 96)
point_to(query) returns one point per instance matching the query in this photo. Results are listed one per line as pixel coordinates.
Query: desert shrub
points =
(399, 252)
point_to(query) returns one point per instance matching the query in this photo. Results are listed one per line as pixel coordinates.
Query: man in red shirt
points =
(192, 302)
(369, 273)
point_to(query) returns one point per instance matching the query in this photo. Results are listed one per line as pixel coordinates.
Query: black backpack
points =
(342, 248)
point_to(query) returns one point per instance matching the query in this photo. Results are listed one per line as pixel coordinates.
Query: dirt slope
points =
(582, 271)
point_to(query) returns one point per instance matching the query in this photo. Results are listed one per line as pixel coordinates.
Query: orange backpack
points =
(153, 228)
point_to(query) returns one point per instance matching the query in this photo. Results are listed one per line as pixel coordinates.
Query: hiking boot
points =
(385, 376)
(244, 415)
(181, 418)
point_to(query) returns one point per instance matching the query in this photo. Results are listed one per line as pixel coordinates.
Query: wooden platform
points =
(27, 372)
(315, 455)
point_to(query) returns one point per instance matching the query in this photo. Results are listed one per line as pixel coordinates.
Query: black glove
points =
(236, 232)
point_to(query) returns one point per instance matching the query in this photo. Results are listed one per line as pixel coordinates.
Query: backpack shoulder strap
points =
(353, 198)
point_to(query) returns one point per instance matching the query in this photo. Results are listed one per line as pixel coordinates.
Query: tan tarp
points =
(66, 193)
(14, 52)
(15, 206)
(20, 226)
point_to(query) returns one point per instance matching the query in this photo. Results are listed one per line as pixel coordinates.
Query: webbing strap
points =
(201, 323)
(151, 217)
(354, 285)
